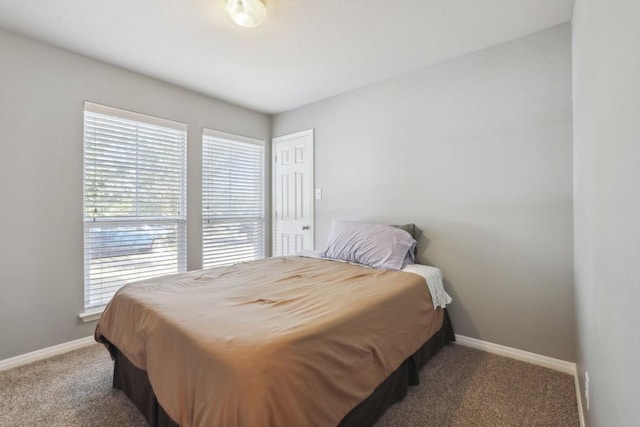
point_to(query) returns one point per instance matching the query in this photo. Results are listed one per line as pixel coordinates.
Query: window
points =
(134, 200)
(233, 224)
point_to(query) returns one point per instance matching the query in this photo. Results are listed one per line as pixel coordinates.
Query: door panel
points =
(293, 185)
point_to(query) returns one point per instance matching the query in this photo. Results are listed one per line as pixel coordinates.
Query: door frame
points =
(312, 180)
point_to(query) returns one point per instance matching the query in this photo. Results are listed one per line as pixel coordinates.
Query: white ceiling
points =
(304, 51)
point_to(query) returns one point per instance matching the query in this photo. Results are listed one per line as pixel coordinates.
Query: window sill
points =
(91, 315)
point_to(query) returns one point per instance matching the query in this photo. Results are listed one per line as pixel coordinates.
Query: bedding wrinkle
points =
(287, 341)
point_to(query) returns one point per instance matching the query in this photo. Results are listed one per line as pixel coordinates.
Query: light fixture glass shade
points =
(246, 13)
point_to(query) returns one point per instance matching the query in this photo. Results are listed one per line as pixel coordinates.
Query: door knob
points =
(305, 227)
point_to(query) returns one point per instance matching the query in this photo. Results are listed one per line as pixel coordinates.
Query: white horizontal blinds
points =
(233, 206)
(134, 199)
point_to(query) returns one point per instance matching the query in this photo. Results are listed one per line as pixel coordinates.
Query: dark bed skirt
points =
(135, 384)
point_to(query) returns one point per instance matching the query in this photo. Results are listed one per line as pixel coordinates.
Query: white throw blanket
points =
(433, 276)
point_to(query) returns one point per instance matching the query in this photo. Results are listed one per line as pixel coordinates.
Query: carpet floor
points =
(459, 387)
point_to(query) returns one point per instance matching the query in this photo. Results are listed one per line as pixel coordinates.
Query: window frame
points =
(138, 221)
(206, 219)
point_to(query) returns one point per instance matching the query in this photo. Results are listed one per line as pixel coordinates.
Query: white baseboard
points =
(45, 353)
(514, 353)
(525, 356)
(579, 399)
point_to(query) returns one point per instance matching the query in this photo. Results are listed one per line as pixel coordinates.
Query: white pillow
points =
(375, 245)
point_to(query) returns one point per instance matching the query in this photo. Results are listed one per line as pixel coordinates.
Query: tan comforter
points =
(279, 342)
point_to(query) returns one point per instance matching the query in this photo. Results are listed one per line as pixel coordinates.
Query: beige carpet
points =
(459, 387)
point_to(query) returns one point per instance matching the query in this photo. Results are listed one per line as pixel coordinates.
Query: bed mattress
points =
(281, 341)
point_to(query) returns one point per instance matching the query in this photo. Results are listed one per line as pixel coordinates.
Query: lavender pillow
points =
(375, 245)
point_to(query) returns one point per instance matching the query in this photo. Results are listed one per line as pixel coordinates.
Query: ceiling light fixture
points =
(247, 13)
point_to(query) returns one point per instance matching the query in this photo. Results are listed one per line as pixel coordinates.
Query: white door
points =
(293, 226)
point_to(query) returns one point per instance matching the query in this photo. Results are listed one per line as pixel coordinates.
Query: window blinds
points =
(134, 199)
(233, 207)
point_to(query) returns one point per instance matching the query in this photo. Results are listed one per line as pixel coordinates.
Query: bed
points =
(285, 341)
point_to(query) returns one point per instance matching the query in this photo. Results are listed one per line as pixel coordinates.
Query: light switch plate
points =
(318, 193)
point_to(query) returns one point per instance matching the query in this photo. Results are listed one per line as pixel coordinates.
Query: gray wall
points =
(476, 151)
(606, 105)
(42, 90)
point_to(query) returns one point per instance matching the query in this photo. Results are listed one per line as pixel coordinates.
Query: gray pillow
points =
(375, 245)
(415, 233)
(411, 229)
